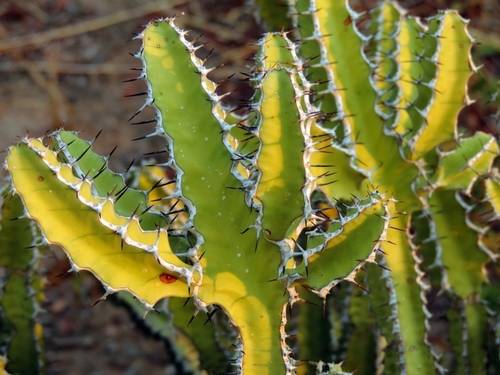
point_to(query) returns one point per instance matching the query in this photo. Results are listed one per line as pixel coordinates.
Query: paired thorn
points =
(137, 94)
(144, 122)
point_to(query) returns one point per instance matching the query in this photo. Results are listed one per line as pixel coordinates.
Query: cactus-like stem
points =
(346, 180)
(93, 247)
(21, 295)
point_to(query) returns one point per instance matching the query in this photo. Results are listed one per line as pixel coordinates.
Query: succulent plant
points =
(342, 223)
(21, 346)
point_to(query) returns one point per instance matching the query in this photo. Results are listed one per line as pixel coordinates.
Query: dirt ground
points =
(62, 63)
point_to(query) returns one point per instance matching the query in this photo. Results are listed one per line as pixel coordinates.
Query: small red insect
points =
(167, 279)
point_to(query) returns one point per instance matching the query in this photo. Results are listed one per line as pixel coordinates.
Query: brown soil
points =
(58, 68)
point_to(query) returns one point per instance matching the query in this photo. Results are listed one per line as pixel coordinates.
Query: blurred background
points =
(62, 63)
